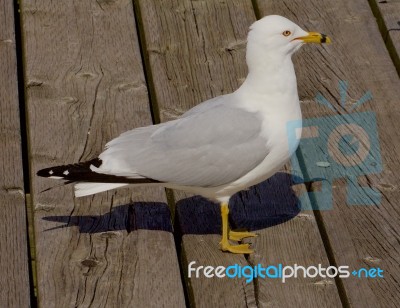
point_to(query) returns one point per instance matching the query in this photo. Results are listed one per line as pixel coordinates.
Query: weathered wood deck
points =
(77, 73)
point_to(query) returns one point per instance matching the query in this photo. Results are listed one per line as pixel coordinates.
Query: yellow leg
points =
(238, 235)
(225, 244)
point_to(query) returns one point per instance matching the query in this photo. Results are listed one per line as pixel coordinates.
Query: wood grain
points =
(388, 18)
(14, 278)
(288, 235)
(357, 235)
(84, 86)
(187, 64)
(390, 13)
(190, 61)
(214, 292)
(395, 43)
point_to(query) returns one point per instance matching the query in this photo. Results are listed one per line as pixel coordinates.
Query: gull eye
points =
(286, 33)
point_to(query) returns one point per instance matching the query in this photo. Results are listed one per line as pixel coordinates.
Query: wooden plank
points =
(186, 61)
(200, 224)
(395, 42)
(288, 235)
(14, 263)
(190, 62)
(387, 14)
(357, 236)
(389, 10)
(85, 85)
(179, 43)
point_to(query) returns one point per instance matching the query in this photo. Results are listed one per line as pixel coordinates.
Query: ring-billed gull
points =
(222, 145)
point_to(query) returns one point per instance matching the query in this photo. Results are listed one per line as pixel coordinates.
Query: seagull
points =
(219, 147)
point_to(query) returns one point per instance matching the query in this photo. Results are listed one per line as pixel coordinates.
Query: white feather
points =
(86, 189)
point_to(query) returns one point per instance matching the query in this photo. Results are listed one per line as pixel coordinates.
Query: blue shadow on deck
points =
(267, 204)
(130, 217)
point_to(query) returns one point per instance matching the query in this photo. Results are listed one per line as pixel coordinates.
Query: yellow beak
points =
(315, 37)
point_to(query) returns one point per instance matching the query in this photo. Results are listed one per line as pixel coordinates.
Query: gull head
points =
(277, 35)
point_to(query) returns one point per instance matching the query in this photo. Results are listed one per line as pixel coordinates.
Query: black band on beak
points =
(323, 38)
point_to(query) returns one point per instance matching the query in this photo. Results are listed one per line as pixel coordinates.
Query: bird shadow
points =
(129, 217)
(267, 204)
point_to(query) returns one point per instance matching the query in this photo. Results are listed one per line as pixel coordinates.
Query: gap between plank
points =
(324, 236)
(254, 282)
(256, 9)
(385, 34)
(21, 98)
(155, 115)
(154, 109)
(25, 155)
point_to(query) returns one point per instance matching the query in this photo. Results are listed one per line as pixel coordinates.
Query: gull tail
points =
(88, 181)
(87, 189)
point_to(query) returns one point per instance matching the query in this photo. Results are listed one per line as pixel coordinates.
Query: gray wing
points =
(213, 146)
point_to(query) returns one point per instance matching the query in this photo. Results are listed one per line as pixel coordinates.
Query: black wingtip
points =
(69, 171)
(82, 172)
(41, 172)
(47, 172)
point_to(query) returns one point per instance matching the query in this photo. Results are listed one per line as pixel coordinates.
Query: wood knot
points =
(87, 75)
(34, 83)
(324, 282)
(15, 191)
(236, 45)
(172, 113)
(387, 186)
(68, 100)
(110, 234)
(305, 216)
(90, 263)
(159, 51)
(372, 260)
(130, 85)
(44, 207)
(106, 2)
